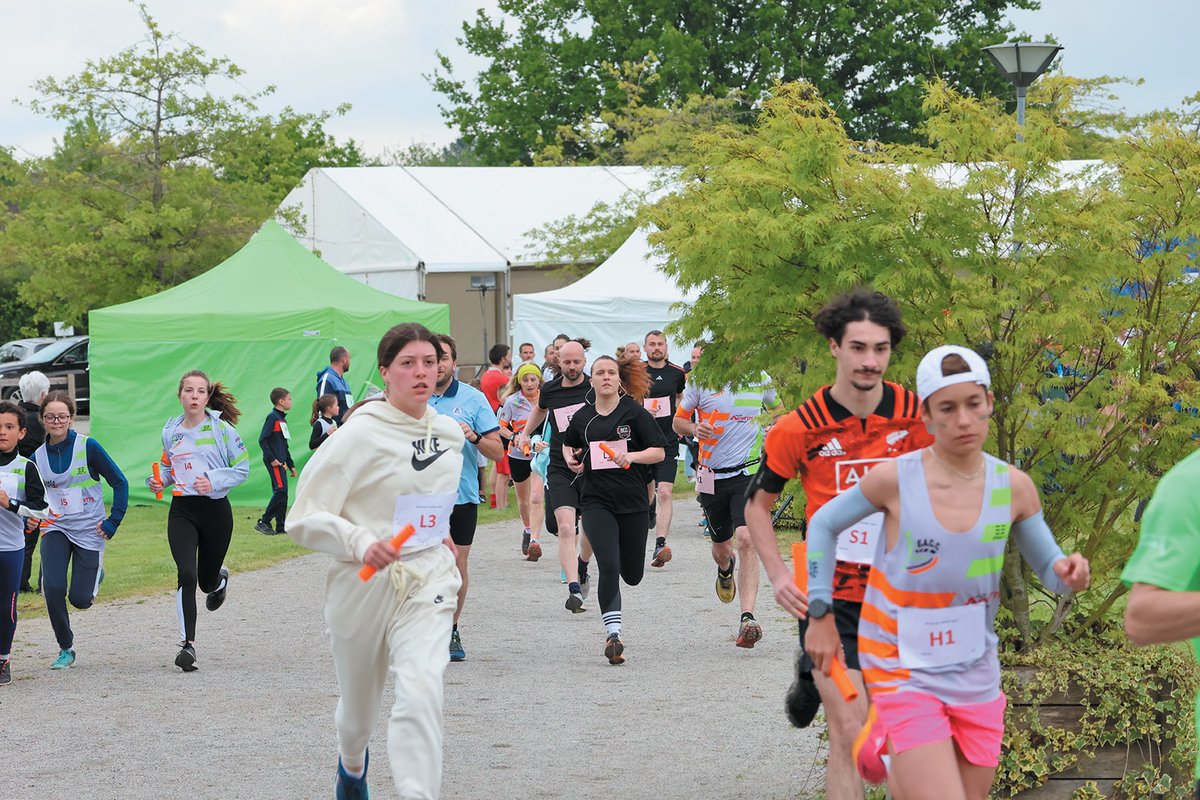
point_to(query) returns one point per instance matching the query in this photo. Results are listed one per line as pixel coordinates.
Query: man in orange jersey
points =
(830, 442)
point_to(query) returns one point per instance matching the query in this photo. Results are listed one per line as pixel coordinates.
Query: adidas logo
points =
(831, 448)
(658, 377)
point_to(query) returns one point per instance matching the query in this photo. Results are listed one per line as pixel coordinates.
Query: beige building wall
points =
(473, 316)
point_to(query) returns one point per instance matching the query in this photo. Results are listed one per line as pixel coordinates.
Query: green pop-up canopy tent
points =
(267, 316)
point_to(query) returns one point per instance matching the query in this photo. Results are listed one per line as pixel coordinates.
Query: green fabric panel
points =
(206, 440)
(266, 317)
(1000, 497)
(985, 566)
(89, 483)
(996, 531)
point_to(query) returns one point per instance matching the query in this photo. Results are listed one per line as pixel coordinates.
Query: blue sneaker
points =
(65, 659)
(456, 649)
(347, 788)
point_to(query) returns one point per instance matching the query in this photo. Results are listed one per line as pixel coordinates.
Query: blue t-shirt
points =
(329, 382)
(469, 405)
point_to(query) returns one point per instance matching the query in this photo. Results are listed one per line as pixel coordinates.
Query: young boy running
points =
(830, 442)
(274, 443)
(927, 641)
(22, 498)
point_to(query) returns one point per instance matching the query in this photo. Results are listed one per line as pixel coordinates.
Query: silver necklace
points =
(966, 477)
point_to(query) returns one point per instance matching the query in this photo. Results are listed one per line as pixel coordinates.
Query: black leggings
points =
(199, 530)
(619, 542)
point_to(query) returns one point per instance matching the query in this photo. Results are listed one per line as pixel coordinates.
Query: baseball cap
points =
(929, 372)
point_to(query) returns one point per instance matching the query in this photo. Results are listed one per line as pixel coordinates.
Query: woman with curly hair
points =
(603, 442)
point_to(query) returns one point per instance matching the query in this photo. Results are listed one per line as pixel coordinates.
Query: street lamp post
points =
(1021, 63)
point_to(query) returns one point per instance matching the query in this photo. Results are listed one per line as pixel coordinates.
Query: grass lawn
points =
(138, 561)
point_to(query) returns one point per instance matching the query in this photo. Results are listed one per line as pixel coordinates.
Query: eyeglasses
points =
(57, 418)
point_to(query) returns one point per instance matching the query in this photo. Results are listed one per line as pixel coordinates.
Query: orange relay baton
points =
(396, 542)
(608, 451)
(157, 472)
(800, 575)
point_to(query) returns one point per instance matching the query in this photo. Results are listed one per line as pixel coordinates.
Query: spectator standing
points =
(277, 457)
(332, 380)
(34, 386)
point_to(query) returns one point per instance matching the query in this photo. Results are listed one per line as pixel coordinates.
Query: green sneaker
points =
(65, 659)
(456, 649)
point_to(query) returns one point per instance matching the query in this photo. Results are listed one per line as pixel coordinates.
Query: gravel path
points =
(535, 711)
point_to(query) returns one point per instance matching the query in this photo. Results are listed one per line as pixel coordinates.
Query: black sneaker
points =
(525, 537)
(186, 660)
(264, 528)
(6, 672)
(216, 598)
(585, 586)
(575, 603)
(614, 649)
(802, 701)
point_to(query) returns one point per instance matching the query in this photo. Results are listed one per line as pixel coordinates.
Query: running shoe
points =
(65, 659)
(562, 576)
(575, 603)
(802, 701)
(348, 788)
(525, 540)
(661, 556)
(216, 598)
(585, 586)
(535, 550)
(869, 749)
(264, 528)
(614, 649)
(456, 649)
(6, 672)
(186, 660)
(749, 632)
(726, 588)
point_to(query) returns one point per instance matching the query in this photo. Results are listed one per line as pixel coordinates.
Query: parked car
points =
(21, 349)
(56, 361)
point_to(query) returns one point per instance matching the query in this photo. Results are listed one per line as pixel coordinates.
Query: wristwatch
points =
(818, 609)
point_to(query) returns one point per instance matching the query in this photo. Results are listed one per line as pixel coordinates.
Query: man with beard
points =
(667, 382)
(331, 380)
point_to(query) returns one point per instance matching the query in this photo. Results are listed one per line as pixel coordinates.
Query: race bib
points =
(706, 480)
(856, 544)
(658, 406)
(68, 500)
(185, 470)
(940, 637)
(428, 513)
(562, 416)
(283, 428)
(601, 459)
(9, 481)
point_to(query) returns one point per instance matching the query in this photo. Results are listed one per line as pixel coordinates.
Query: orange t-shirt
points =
(831, 449)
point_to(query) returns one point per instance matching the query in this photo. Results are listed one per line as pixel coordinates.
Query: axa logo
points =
(831, 449)
(922, 553)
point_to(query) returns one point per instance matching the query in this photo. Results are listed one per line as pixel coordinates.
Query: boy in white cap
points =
(927, 643)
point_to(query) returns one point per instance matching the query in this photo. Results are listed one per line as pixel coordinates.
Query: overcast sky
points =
(372, 53)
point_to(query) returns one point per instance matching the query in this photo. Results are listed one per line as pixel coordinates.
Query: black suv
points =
(56, 361)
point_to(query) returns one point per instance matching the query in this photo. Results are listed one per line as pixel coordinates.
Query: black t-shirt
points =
(667, 381)
(622, 491)
(565, 400)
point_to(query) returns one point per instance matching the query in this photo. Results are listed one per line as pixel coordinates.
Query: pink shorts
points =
(912, 719)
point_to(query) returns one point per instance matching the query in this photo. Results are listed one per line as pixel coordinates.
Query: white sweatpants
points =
(399, 620)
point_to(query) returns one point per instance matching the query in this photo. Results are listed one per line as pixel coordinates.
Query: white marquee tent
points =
(618, 302)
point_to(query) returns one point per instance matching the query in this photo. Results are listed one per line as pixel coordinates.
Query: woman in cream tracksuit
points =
(394, 462)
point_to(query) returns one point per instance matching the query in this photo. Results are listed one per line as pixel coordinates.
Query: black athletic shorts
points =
(726, 507)
(666, 470)
(463, 522)
(845, 615)
(565, 488)
(519, 470)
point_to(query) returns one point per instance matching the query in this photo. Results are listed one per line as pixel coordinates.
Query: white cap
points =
(929, 372)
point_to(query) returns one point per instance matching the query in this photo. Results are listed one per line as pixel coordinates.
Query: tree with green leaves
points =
(162, 172)
(1074, 283)
(546, 63)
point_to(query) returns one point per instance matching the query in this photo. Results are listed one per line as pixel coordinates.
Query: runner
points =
(730, 442)
(497, 376)
(601, 443)
(1164, 571)
(322, 421)
(520, 399)
(203, 458)
(471, 410)
(71, 466)
(551, 369)
(526, 352)
(22, 502)
(829, 441)
(667, 382)
(561, 398)
(395, 462)
(927, 642)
